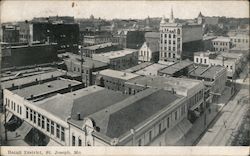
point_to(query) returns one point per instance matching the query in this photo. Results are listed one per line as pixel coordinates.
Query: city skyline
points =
(12, 11)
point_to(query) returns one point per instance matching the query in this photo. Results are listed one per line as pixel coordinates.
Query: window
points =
(39, 120)
(159, 128)
(43, 122)
(169, 41)
(168, 120)
(27, 112)
(231, 67)
(48, 125)
(34, 113)
(174, 36)
(11, 104)
(205, 60)
(200, 60)
(169, 55)
(20, 111)
(169, 48)
(150, 135)
(139, 142)
(57, 131)
(175, 115)
(17, 108)
(178, 31)
(62, 134)
(52, 128)
(73, 140)
(79, 142)
(173, 48)
(14, 106)
(165, 35)
(31, 115)
(173, 55)
(169, 36)
(197, 60)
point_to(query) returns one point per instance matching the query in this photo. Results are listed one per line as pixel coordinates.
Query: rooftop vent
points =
(49, 85)
(78, 116)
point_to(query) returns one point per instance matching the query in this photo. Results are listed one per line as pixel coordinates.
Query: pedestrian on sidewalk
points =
(225, 122)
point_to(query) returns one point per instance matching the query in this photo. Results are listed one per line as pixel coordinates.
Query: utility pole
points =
(5, 122)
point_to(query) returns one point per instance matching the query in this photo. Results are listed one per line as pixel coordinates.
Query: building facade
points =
(179, 40)
(149, 52)
(119, 60)
(221, 44)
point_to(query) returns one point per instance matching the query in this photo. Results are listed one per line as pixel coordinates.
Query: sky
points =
(16, 10)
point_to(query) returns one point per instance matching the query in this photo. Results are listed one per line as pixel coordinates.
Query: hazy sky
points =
(22, 10)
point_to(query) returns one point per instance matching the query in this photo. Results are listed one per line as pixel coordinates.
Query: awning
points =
(24, 129)
(178, 132)
(8, 116)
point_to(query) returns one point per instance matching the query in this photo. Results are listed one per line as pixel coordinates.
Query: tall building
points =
(179, 40)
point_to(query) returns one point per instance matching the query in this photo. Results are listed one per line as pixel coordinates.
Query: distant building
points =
(85, 69)
(114, 79)
(176, 69)
(207, 43)
(231, 61)
(119, 60)
(152, 37)
(96, 37)
(149, 52)
(99, 48)
(132, 39)
(240, 41)
(66, 35)
(23, 55)
(10, 33)
(179, 40)
(221, 44)
(215, 78)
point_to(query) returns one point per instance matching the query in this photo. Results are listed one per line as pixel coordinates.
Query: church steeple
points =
(171, 19)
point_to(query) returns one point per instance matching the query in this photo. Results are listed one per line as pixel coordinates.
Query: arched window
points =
(178, 31)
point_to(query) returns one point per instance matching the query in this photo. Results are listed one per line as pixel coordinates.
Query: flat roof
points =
(33, 78)
(181, 84)
(151, 69)
(43, 88)
(88, 62)
(206, 71)
(138, 67)
(222, 39)
(100, 46)
(61, 104)
(176, 67)
(116, 54)
(118, 74)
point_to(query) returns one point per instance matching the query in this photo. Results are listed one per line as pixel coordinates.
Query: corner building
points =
(179, 40)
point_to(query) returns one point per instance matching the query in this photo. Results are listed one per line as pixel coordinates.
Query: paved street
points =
(221, 131)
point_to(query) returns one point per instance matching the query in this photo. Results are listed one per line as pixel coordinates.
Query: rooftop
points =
(116, 54)
(151, 69)
(206, 71)
(43, 88)
(152, 35)
(176, 67)
(100, 46)
(117, 119)
(118, 74)
(181, 85)
(222, 39)
(138, 67)
(88, 62)
(7, 83)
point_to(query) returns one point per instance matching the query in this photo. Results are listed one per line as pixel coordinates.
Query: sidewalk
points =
(204, 120)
